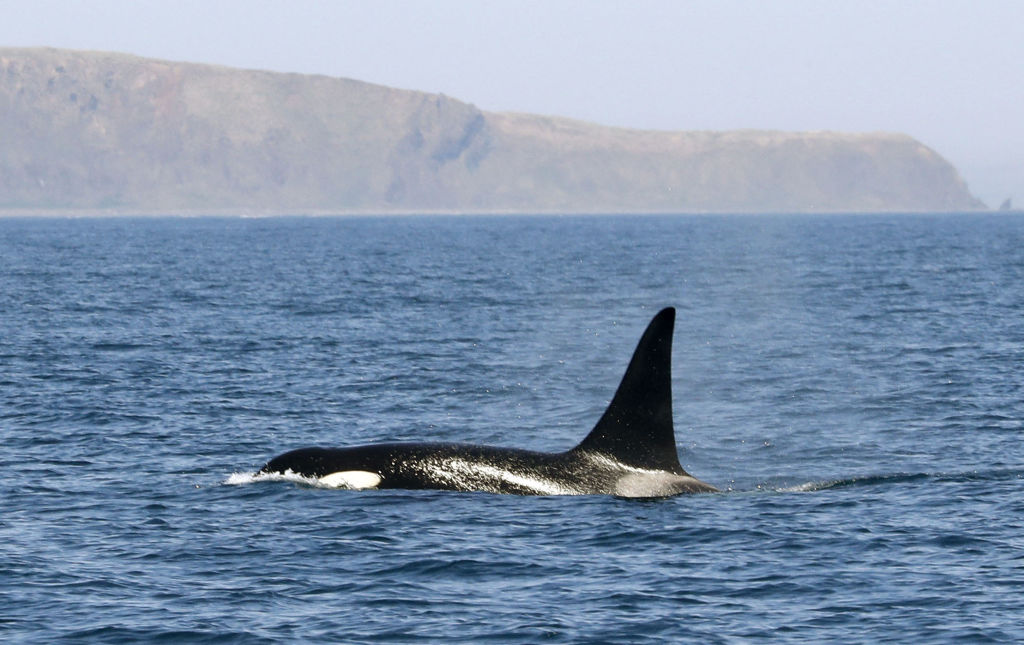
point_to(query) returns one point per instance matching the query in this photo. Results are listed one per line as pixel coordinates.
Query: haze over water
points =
(853, 382)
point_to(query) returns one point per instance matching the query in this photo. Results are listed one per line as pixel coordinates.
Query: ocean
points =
(852, 383)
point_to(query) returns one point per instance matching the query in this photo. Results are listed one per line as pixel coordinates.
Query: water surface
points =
(852, 381)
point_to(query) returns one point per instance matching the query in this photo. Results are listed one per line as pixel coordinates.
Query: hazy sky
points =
(948, 72)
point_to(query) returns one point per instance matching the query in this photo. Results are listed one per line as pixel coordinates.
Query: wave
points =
(239, 479)
(993, 475)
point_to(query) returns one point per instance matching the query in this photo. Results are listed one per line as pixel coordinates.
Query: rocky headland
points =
(104, 132)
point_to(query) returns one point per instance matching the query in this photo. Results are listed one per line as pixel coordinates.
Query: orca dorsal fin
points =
(636, 429)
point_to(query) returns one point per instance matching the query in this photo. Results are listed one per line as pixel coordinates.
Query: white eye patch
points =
(354, 479)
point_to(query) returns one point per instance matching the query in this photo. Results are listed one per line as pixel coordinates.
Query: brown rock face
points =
(99, 131)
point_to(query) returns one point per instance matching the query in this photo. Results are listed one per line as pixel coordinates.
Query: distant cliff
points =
(112, 132)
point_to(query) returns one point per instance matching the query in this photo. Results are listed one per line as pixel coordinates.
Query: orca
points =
(631, 452)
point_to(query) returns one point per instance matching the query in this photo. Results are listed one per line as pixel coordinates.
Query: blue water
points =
(853, 382)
